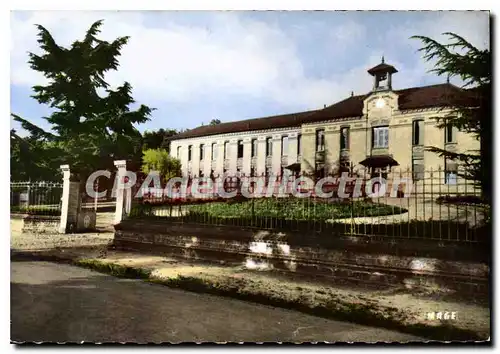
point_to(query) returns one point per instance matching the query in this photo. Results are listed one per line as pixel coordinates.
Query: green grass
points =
(51, 210)
(294, 209)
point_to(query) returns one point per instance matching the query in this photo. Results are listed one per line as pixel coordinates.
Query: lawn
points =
(52, 210)
(294, 209)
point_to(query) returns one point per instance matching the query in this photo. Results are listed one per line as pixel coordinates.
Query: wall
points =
(360, 131)
(231, 165)
(412, 263)
(40, 224)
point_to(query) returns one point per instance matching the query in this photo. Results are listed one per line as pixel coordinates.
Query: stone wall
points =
(40, 224)
(412, 263)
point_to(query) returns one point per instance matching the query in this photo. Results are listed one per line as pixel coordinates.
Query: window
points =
(202, 152)
(418, 130)
(178, 152)
(269, 147)
(299, 142)
(418, 169)
(449, 134)
(252, 171)
(214, 151)
(190, 152)
(344, 138)
(284, 146)
(254, 147)
(240, 149)
(380, 137)
(226, 149)
(320, 140)
(450, 172)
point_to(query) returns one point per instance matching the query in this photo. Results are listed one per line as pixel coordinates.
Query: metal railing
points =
(439, 206)
(38, 198)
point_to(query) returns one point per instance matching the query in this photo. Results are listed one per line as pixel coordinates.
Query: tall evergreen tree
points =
(472, 105)
(93, 123)
(157, 139)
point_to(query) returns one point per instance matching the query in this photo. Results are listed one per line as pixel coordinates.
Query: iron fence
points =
(435, 206)
(40, 198)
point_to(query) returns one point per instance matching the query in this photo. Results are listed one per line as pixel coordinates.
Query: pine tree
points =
(92, 123)
(472, 105)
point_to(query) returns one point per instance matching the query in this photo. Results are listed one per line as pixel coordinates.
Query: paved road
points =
(53, 302)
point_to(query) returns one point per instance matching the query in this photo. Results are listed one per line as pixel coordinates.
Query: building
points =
(381, 132)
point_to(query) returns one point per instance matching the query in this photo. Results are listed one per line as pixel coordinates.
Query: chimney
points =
(352, 93)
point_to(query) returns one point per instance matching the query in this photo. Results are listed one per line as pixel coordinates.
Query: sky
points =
(196, 66)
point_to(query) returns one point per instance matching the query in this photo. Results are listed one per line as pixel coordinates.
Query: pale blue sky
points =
(196, 66)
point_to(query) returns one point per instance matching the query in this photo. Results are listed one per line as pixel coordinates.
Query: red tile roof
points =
(281, 121)
(412, 98)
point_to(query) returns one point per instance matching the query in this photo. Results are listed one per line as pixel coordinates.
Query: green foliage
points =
(93, 124)
(48, 210)
(214, 122)
(472, 105)
(159, 160)
(140, 210)
(157, 139)
(294, 209)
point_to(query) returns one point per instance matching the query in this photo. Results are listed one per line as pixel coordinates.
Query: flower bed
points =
(294, 209)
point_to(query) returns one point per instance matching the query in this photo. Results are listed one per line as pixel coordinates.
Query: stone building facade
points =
(382, 132)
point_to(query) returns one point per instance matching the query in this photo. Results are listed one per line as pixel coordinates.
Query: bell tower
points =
(382, 76)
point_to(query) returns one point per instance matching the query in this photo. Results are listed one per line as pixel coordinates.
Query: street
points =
(63, 303)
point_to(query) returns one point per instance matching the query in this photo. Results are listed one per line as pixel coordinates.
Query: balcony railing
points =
(380, 151)
(320, 156)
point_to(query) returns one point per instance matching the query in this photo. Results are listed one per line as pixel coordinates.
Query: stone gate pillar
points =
(70, 202)
(121, 165)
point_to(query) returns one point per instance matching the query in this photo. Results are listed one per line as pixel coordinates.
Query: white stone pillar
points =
(70, 202)
(261, 155)
(64, 199)
(292, 148)
(276, 158)
(195, 163)
(121, 165)
(207, 160)
(233, 156)
(247, 156)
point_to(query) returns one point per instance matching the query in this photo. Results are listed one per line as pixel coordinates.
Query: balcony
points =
(320, 156)
(417, 151)
(253, 161)
(380, 151)
(344, 153)
(226, 163)
(239, 162)
(269, 160)
(284, 160)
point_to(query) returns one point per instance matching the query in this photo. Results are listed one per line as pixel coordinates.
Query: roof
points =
(280, 121)
(382, 68)
(440, 95)
(379, 161)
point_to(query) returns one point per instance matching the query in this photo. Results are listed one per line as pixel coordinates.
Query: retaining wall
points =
(370, 260)
(41, 223)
